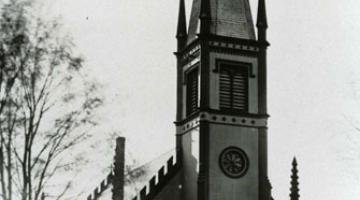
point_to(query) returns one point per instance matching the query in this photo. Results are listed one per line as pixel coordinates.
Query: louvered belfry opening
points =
(192, 91)
(234, 87)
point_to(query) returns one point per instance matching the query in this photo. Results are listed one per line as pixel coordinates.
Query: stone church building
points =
(221, 122)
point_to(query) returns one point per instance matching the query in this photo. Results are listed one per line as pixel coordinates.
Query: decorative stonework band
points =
(222, 119)
(233, 46)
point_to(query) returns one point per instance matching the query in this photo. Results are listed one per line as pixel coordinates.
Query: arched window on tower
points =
(192, 91)
(234, 86)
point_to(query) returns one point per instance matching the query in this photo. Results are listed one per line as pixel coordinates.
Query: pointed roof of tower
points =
(194, 21)
(227, 18)
(294, 190)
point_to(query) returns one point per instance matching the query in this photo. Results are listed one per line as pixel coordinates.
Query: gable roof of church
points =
(153, 174)
(157, 183)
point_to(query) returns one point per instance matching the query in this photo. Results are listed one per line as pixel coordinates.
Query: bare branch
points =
(37, 67)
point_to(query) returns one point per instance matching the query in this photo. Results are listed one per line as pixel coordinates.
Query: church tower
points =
(221, 119)
(221, 122)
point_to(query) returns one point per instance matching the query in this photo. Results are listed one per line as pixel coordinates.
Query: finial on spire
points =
(181, 33)
(261, 23)
(294, 190)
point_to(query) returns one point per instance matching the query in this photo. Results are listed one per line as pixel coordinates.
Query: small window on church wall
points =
(234, 87)
(192, 91)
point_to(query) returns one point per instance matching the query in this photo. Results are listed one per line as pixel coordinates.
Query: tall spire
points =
(181, 33)
(261, 23)
(294, 190)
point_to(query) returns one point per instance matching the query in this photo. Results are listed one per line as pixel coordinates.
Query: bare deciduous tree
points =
(46, 106)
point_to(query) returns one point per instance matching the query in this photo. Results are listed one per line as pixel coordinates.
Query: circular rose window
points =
(234, 162)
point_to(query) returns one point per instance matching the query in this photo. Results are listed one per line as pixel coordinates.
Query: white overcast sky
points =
(313, 76)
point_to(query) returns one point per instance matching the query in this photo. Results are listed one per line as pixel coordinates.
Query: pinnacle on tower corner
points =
(294, 190)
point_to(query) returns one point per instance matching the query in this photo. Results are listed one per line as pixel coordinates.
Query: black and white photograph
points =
(179, 100)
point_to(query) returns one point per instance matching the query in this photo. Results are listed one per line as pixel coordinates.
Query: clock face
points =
(233, 162)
